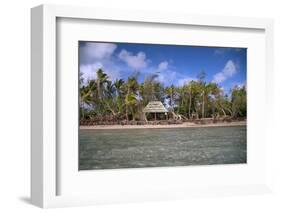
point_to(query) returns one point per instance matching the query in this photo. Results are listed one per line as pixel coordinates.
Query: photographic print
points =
(155, 105)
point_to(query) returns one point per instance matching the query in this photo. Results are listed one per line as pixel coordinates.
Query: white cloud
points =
(228, 71)
(113, 73)
(94, 56)
(135, 62)
(96, 51)
(183, 81)
(163, 65)
(219, 77)
(164, 74)
(167, 77)
(89, 71)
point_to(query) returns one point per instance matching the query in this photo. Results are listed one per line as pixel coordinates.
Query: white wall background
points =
(15, 103)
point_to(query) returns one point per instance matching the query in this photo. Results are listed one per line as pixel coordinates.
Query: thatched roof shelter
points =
(155, 107)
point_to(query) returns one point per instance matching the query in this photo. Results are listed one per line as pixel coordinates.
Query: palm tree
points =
(119, 86)
(181, 92)
(190, 98)
(207, 89)
(86, 95)
(238, 101)
(109, 99)
(170, 91)
(101, 96)
(149, 88)
(201, 80)
(130, 101)
(195, 93)
(203, 102)
(102, 78)
(131, 98)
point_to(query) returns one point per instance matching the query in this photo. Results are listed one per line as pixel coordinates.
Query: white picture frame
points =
(44, 148)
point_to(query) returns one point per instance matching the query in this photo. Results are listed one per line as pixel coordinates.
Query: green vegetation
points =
(104, 100)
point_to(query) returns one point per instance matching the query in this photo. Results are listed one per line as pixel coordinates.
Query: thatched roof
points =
(155, 106)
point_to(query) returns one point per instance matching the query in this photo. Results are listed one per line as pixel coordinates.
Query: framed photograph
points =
(130, 106)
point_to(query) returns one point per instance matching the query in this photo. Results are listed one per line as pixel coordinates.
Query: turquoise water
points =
(138, 148)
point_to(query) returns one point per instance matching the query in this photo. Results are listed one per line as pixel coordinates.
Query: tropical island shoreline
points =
(164, 126)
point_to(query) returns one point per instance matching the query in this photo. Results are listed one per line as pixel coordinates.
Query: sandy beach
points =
(183, 125)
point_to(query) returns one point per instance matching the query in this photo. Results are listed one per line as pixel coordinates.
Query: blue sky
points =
(173, 64)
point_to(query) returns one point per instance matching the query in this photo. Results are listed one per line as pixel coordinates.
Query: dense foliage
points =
(125, 99)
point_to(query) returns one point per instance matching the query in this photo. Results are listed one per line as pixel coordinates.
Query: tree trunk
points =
(145, 118)
(82, 110)
(110, 109)
(231, 113)
(220, 107)
(223, 112)
(98, 88)
(126, 102)
(171, 102)
(127, 117)
(203, 106)
(133, 114)
(189, 106)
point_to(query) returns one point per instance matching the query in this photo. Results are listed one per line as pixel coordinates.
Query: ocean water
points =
(139, 148)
